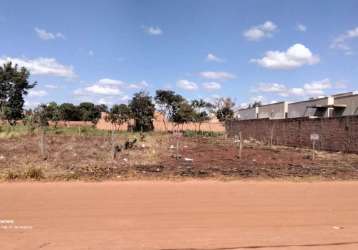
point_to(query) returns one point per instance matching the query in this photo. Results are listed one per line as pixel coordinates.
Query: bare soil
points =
(89, 158)
(196, 215)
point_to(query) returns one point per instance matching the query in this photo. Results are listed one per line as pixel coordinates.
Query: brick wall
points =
(336, 134)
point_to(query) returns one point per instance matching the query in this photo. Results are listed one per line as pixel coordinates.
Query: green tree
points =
(224, 109)
(118, 115)
(89, 112)
(167, 102)
(70, 112)
(184, 113)
(41, 116)
(54, 113)
(201, 111)
(102, 108)
(14, 85)
(142, 109)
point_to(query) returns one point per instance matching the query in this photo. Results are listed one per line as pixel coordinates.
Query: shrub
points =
(12, 175)
(34, 173)
(192, 133)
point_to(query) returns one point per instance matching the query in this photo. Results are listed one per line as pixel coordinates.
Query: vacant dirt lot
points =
(89, 158)
(203, 215)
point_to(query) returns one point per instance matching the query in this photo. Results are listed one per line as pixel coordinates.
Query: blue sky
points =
(104, 51)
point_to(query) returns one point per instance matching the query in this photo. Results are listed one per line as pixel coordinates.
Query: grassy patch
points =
(7, 131)
(34, 173)
(192, 133)
(11, 175)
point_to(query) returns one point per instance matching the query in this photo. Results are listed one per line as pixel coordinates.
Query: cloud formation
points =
(341, 42)
(154, 31)
(312, 89)
(45, 35)
(37, 93)
(257, 33)
(301, 27)
(213, 58)
(110, 81)
(103, 89)
(108, 87)
(217, 75)
(211, 86)
(294, 57)
(138, 85)
(42, 66)
(51, 86)
(187, 85)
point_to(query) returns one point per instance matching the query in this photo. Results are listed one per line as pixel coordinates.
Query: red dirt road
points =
(196, 215)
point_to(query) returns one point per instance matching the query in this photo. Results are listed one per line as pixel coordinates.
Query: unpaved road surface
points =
(193, 215)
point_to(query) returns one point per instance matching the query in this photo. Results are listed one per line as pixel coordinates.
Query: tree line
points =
(14, 85)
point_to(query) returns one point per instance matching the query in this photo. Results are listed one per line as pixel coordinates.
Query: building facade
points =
(345, 104)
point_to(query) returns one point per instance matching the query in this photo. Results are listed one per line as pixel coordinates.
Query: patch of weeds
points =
(69, 176)
(192, 133)
(34, 173)
(12, 175)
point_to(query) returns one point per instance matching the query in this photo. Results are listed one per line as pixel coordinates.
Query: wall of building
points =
(336, 134)
(351, 102)
(301, 109)
(273, 111)
(249, 113)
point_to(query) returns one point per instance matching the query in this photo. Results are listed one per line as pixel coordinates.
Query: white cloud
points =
(51, 86)
(210, 86)
(317, 87)
(294, 91)
(259, 32)
(103, 90)
(213, 58)
(243, 105)
(90, 53)
(187, 85)
(258, 98)
(314, 88)
(341, 41)
(154, 31)
(138, 85)
(294, 57)
(31, 104)
(301, 27)
(217, 75)
(110, 81)
(42, 66)
(45, 35)
(107, 87)
(37, 93)
(271, 87)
